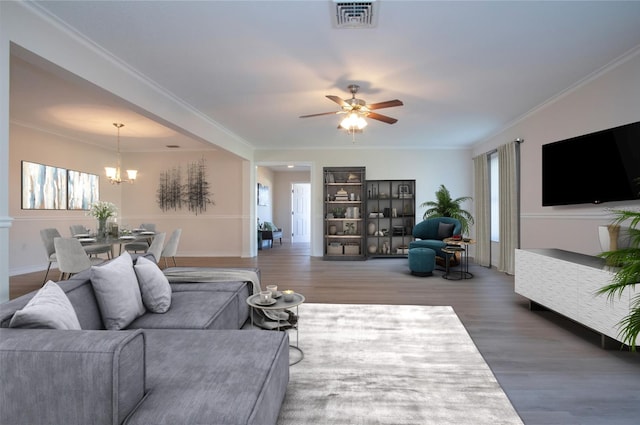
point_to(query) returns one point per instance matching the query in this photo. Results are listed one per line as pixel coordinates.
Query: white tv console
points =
(566, 282)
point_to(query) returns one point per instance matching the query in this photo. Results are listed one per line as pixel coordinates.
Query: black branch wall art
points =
(173, 194)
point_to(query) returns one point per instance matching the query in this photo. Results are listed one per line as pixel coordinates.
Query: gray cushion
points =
(117, 291)
(77, 377)
(154, 286)
(214, 377)
(49, 308)
(194, 310)
(445, 230)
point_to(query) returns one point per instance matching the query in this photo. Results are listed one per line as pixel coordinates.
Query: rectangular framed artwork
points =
(263, 194)
(44, 187)
(83, 189)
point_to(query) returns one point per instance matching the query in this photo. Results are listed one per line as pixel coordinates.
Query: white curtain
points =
(509, 206)
(482, 210)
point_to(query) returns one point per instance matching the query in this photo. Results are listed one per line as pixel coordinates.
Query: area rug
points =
(382, 364)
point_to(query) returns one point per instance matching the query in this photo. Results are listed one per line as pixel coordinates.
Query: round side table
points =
(464, 257)
(280, 304)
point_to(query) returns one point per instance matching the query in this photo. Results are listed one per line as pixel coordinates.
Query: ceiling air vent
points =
(355, 14)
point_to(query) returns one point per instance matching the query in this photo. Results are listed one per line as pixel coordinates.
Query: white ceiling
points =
(464, 70)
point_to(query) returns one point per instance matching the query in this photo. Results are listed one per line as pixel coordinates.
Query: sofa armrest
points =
(70, 377)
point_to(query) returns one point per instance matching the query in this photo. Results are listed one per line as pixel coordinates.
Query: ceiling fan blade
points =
(338, 100)
(382, 118)
(387, 104)
(323, 113)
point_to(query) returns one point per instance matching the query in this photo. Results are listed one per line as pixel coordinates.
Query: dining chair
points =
(171, 248)
(141, 245)
(93, 249)
(148, 226)
(48, 235)
(156, 246)
(72, 258)
(78, 229)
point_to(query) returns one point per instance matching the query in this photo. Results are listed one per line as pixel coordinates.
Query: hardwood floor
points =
(553, 370)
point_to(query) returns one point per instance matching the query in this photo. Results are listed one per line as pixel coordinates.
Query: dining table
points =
(116, 242)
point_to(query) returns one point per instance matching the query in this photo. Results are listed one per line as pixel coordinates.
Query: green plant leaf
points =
(626, 264)
(445, 206)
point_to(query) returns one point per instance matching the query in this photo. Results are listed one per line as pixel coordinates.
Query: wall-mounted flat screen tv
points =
(598, 167)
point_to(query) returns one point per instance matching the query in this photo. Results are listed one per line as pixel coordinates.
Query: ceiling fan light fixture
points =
(353, 121)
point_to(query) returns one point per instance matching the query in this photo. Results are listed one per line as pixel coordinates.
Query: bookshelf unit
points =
(343, 213)
(390, 217)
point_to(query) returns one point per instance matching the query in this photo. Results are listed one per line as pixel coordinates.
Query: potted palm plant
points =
(626, 262)
(445, 206)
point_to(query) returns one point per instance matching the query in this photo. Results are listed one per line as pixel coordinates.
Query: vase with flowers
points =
(102, 211)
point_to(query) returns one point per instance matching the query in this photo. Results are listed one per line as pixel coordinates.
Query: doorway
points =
(300, 212)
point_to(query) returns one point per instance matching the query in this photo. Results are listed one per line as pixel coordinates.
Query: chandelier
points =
(113, 173)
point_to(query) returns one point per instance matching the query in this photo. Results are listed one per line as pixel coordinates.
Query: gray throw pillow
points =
(48, 309)
(445, 230)
(117, 291)
(154, 286)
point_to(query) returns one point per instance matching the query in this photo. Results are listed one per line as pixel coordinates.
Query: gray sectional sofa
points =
(190, 365)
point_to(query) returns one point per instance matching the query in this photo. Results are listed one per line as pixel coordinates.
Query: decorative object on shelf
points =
(445, 206)
(329, 178)
(341, 195)
(613, 237)
(351, 248)
(173, 194)
(627, 275)
(371, 228)
(102, 211)
(113, 173)
(333, 229)
(339, 212)
(402, 249)
(373, 248)
(404, 191)
(350, 227)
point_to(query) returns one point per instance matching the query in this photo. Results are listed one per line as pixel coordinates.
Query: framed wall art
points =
(263, 195)
(44, 187)
(83, 189)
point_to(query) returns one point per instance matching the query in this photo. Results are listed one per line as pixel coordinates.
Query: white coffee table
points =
(280, 304)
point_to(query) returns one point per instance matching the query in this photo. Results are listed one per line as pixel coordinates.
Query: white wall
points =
(606, 100)
(430, 169)
(217, 231)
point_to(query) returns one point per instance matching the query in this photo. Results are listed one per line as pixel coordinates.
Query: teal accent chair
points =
(429, 233)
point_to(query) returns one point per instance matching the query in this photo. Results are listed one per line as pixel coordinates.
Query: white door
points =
(300, 212)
